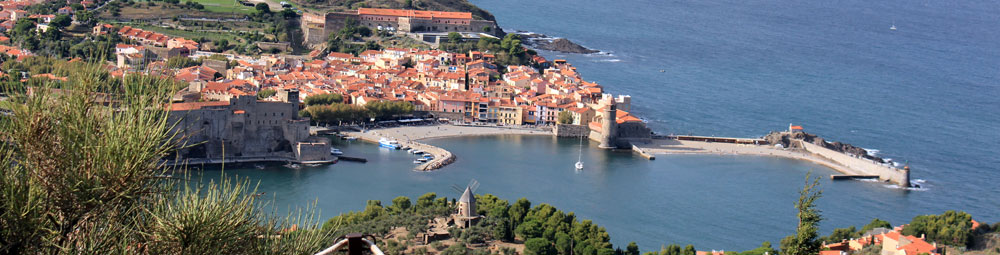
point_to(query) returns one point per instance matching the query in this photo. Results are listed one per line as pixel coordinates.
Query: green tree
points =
(530, 229)
(952, 228)
(563, 243)
(841, 234)
(61, 21)
(538, 246)
(262, 8)
(689, 250)
(565, 117)
(876, 223)
(454, 37)
(518, 210)
(323, 99)
(804, 241)
(632, 249)
(265, 93)
(401, 204)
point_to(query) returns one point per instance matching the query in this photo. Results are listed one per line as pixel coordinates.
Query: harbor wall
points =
(567, 130)
(860, 166)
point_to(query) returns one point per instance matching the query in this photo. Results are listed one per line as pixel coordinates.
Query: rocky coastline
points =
(545, 42)
(784, 139)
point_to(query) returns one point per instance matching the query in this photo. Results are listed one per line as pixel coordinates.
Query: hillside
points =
(431, 5)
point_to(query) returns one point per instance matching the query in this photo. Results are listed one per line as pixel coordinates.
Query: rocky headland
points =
(545, 42)
(784, 138)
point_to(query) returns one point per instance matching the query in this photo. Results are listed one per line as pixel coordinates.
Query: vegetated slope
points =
(429, 5)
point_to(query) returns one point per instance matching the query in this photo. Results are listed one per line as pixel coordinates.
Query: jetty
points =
(442, 157)
(852, 167)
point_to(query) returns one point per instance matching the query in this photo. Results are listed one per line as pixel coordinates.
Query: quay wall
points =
(860, 166)
(566, 130)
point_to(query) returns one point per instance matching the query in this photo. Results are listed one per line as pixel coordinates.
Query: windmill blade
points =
(457, 188)
(473, 185)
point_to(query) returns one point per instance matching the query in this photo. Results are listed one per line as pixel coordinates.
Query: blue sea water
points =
(926, 93)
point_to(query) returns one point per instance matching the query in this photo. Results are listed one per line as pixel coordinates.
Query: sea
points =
(926, 94)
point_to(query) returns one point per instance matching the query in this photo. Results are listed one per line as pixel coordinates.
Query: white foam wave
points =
(614, 60)
(871, 152)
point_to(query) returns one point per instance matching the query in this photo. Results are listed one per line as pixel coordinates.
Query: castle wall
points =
(244, 128)
(567, 130)
(860, 165)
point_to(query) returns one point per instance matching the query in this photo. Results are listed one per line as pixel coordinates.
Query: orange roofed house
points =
(894, 243)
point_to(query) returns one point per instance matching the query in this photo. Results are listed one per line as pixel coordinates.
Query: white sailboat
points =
(579, 161)
(893, 27)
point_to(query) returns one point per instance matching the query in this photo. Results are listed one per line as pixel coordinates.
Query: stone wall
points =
(860, 165)
(316, 149)
(567, 130)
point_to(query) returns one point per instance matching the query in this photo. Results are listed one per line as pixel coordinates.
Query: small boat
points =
(893, 27)
(258, 166)
(335, 151)
(350, 138)
(386, 143)
(312, 165)
(417, 162)
(579, 161)
(418, 152)
(428, 156)
(422, 159)
(293, 166)
(407, 148)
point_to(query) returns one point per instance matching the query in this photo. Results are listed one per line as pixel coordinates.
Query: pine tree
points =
(805, 241)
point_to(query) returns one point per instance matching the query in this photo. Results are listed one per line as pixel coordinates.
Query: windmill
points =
(466, 216)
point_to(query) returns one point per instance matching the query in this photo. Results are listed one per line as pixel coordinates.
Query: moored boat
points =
(386, 143)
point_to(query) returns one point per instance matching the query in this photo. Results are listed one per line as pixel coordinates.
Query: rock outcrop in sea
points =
(544, 42)
(784, 138)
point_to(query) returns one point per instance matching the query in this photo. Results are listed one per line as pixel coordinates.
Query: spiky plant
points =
(82, 173)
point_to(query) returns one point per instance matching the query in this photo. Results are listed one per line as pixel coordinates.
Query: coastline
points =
(409, 136)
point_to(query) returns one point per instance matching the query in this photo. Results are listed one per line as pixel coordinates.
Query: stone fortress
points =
(318, 27)
(244, 129)
(614, 128)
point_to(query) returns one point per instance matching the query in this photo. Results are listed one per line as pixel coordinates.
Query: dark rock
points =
(784, 138)
(563, 45)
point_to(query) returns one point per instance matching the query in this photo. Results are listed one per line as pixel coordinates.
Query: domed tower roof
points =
(467, 196)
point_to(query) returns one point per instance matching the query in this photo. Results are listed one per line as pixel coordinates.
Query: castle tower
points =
(609, 127)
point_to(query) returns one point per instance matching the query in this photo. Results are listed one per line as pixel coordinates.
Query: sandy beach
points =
(414, 133)
(409, 136)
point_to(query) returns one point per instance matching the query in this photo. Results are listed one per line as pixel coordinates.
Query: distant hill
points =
(430, 5)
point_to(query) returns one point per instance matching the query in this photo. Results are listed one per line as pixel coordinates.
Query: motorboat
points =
(386, 143)
(335, 151)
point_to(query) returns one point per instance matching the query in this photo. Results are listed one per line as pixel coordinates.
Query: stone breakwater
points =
(839, 161)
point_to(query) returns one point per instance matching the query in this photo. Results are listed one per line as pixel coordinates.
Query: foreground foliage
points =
(82, 175)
